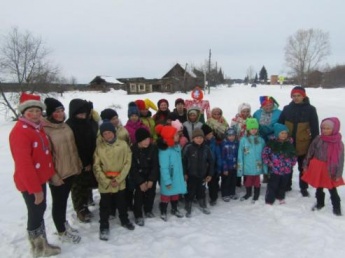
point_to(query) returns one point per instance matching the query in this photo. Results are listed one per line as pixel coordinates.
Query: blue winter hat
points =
(133, 109)
(230, 131)
(278, 128)
(107, 126)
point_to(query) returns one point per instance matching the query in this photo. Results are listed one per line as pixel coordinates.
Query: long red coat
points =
(32, 157)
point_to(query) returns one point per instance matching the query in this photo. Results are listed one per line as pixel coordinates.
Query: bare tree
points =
(24, 60)
(250, 74)
(304, 52)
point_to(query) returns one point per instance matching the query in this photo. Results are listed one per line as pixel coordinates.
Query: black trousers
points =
(105, 205)
(144, 200)
(276, 187)
(195, 187)
(59, 206)
(228, 184)
(35, 212)
(213, 188)
(302, 185)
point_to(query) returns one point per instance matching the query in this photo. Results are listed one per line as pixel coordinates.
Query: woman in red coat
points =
(33, 168)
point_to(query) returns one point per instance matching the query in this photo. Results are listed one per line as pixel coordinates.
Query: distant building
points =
(176, 79)
(102, 82)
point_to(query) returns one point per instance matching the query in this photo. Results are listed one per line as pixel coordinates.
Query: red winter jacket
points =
(32, 157)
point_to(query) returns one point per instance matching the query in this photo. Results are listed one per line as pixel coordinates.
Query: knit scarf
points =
(333, 151)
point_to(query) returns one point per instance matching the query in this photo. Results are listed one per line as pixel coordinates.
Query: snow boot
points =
(188, 207)
(69, 237)
(104, 234)
(203, 207)
(247, 195)
(163, 206)
(39, 244)
(174, 210)
(335, 202)
(320, 200)
(256, 194)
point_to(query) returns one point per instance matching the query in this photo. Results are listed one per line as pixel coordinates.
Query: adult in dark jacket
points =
(180, 110)
(86, 143)
(144, 172)
(163, 112)
(303, 123)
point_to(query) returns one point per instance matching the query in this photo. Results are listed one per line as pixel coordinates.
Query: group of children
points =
(176, 150)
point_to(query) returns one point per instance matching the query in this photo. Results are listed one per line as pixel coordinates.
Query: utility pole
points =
(209, 71)
(184, 79)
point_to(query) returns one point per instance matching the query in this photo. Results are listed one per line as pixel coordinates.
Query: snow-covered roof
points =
(110, 79)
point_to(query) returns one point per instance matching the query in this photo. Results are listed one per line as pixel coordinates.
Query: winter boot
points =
(203, 207)
(335, 202)
(104, 234)
(83, 215)
(247, 195)
(320, 200)
(163, 208)
(174, 210)
(39, 244)
(256, 194)
(69, 237)
(188, 206)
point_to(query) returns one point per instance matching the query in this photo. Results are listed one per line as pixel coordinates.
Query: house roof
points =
(177, 70)
(105, 78)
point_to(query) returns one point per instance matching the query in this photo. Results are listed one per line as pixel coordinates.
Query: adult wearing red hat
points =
(33, 168)
(303, 123)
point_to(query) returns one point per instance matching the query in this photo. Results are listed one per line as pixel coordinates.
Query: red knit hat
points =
(140, 104)
(30, 100)
(300, 90)
(167, 132)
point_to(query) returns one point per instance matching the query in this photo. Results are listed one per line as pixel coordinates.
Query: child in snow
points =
(213, 185)
(112, 162)
(324, 164)
(193, 116)
(179, 127)
(172, 182)
(198, 168)
(229, 153)
(144, 172)
(249, 163)
(218, 123)
(33, 168)
(280, 157)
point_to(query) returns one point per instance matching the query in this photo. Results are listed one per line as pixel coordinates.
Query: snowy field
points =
(234, 229)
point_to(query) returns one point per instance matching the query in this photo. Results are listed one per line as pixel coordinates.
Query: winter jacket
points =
(249, 161)
(229, 153)
(181, 118)
(188, 126)
(303, 124)
(83, 131)
(161, 117)
(218, 127)
(197, 160)
(112, 161)
(33, 162)
(131, 127)
(64, 149)
(266, 122)
(279, 156)
(171, 170)
(318, 150)
(151, 124)
(216, 154)
(145, 165)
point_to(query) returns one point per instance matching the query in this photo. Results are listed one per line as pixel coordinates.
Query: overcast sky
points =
(145, 38)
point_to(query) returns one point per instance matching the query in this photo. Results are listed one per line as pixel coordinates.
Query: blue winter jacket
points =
(216, 154)
(229, 151)
(266, 130)
(249, 161)
(171, 171)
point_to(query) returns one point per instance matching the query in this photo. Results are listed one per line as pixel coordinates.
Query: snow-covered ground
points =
(235, 229)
